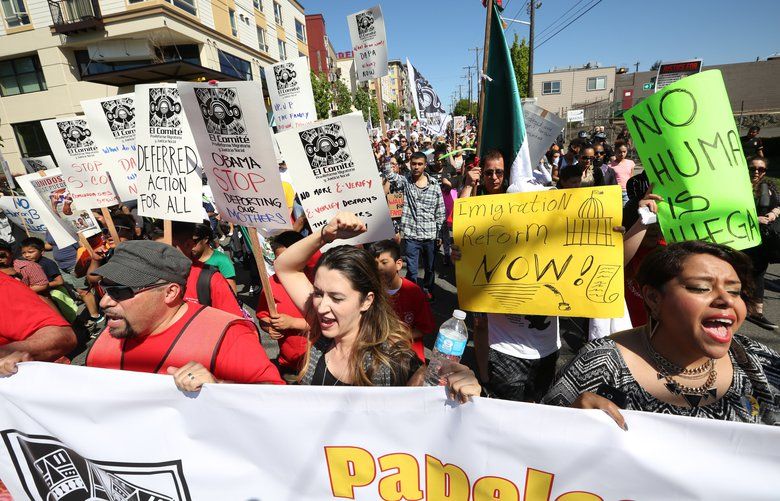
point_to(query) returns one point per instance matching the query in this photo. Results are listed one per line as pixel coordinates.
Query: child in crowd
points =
(32, 250)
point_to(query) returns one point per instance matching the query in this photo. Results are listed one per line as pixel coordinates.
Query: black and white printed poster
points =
(113, 122)
(369, 43)
(169, 168)
(427, 104)
(333, 169)
(292, 98)
(37, 164)
(233, 138)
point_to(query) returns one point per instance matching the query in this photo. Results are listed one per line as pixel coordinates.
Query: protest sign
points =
(113, 130)
(369, 43)
(395, 202)
(541, 128)
(541, 253)
(575, 116)
(459, 123)
(81, 163)
(427, 104)
(20, 213)
(136, 434)
(234, 142)
(36, 164)
(668, 73)
(292, 98)
(333, 169)
(691, 152)
(9, 178)
(48, 195)
(169, 174)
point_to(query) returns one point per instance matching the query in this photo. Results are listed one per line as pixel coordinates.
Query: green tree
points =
(655, 65)
(343, 98)
(362, 100)
(519, 53)
(462, 107)
(393, 112)
(323, 95)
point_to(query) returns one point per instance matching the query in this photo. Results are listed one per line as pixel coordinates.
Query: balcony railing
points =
(70, 16)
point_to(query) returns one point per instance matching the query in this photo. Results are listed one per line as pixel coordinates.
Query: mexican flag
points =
(503, 127)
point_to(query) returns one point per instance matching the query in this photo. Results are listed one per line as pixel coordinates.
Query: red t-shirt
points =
(412, 308)
(24, 312)
(240, 358)
(292, 346)
(222, 297)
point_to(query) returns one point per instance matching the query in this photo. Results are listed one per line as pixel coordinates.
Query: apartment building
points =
(394, 85)
(560, 90)
(345, 65)
(56, 53)
(322, 56)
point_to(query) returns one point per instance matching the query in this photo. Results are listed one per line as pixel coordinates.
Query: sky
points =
(436, 34)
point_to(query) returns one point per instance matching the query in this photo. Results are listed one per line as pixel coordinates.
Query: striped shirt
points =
(423, 212)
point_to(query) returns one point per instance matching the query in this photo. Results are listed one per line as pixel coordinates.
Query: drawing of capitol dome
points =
(591, 227)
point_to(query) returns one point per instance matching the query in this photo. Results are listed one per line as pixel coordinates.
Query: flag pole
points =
(485, 50)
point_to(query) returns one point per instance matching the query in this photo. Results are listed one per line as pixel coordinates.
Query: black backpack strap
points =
(203, 286)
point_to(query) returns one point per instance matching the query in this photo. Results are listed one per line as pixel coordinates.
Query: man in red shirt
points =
(408, 298)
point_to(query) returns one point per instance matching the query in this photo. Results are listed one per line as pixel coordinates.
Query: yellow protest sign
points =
(541, 253)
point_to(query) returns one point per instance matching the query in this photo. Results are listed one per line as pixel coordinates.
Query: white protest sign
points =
(369, 43)
(292, 98)
(113, 130)
(137, 434)
(541, 129)
(459, 123)
(333, 169)
(36, 164)
(20, 212)
(575, 116)
(7, 172)
(48, 195)
(670, 72)
(169, 176)
(234, 141)
(79, 158)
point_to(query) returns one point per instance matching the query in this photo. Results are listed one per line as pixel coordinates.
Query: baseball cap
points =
(139, 263)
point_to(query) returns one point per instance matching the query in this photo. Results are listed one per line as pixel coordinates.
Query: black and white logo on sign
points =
(286, 78)
(76, 136)
(427, 99)
(164, 108)
(221, 111)
(326, 147)
(365, 25)
(48, 470)
(120, 114)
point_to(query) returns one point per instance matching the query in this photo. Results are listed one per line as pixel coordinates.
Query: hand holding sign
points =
(344, 226)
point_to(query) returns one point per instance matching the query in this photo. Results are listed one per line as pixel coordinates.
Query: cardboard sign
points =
(541, 253)
(395, 201)
(691, 152)
(292, 98)
(541, 129)
(113, 130)
(23, 215)
(333, 169)
(37, 164)
(369, 43)
(81, 162)
(234, 142)
(169, 168)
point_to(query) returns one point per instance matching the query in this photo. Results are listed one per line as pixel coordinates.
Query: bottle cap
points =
(459, 314)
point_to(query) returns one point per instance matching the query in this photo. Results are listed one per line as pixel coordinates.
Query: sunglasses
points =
(599, 153)
(497, 172)
(757, 169)
(123, 292)
(587, 158)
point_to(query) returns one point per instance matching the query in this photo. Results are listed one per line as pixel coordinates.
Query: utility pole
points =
(460, 92)
(636, 67)
(532, 8)
(477, 66)
(469, 68)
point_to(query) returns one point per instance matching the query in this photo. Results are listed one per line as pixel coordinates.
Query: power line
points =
(558, 19)
(553, 35)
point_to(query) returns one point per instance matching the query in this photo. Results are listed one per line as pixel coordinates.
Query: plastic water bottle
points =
(450, 345)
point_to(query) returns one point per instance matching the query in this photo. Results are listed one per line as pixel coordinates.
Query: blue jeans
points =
(412, 253)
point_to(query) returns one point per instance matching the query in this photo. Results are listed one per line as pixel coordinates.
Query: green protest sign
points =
(689, 146)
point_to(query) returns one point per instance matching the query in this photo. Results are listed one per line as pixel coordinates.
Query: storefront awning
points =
(174, 70)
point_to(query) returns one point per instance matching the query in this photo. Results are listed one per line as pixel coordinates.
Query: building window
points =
(15, 13)
(234, 66)
(300, 31)
(189, 53)
(282, 50)
(597, 83)
(258, 5)
(185, 5)
(31, 139)
(233, 28)
(278, 13)
(553, 87)
(21, 76)
(261, 39)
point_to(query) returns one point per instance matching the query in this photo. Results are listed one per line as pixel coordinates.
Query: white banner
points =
(20, 213)
(48, 195)
(36, 164)
(292, 98)
(135, 436)
(369, 43)
(113, 130)
(169, 172)
(234, 141)
(333, 169)
(541, 129)
(79, 158)
(575, 116)
(7, 172)
(427, 104)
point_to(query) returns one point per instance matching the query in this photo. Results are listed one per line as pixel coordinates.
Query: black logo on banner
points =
(325, 146)
(48, 470)
(365, 25)
(75, 135)
(286, 78)
(120, 115)
(221, 111)
(427, 99)
(164, 107)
